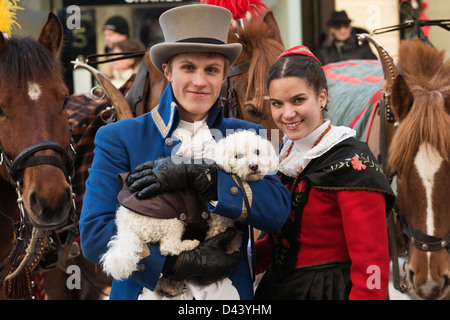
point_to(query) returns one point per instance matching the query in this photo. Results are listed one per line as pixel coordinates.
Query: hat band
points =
(201, 40)
(109, 27)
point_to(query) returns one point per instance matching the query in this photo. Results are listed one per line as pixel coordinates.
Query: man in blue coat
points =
(195, 59)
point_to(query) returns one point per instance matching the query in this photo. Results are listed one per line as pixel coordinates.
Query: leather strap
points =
(250, 221)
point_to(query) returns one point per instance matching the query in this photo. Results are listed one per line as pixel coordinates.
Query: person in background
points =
(334, 244)
(342, 42)
(123, 69)
(114, 30)
(195, 59)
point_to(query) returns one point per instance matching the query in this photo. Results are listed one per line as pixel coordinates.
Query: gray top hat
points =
(194, 28)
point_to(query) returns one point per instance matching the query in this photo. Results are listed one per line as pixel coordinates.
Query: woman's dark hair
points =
(300, 66)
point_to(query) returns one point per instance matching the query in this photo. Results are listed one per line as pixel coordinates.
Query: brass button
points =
(234, 191)
(183, 216)
(205, 215)
(168, 141)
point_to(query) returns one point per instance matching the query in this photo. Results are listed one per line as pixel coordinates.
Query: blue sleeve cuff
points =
(149, 268)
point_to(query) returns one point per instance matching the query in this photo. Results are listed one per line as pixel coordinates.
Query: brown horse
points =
(418, 151)
(35, 149)
(261, 46)
(420, 156)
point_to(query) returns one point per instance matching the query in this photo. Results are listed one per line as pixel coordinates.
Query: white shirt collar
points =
(302, 152)
(196, 138)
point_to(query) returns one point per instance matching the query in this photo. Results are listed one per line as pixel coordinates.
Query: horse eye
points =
(1, 112)
(252, 110)
(65, 102)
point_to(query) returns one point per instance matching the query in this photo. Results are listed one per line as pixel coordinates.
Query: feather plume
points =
(8, 15)
(239, 8)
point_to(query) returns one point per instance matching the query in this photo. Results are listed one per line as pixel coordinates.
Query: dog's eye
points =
(257, 152)
(238, 156)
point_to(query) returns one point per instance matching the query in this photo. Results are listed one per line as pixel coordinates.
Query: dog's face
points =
(246, 154)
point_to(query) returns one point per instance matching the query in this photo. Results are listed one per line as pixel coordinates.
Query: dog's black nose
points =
(253, 166)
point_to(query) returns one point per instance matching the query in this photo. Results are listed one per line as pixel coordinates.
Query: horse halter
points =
(13, 167)
(422, 241)
(27, 159)
(228, 94)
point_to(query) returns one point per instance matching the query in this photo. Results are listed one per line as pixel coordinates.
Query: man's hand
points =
(162, 175)
(207, 263)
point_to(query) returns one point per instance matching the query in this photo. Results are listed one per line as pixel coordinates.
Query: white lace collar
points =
(196, 138)
(302, 152)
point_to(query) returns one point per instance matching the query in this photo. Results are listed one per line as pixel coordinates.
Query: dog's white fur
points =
(243, 153)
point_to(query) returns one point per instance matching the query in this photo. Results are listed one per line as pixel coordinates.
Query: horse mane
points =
(24, 60)
(265, 50)
(426, 73)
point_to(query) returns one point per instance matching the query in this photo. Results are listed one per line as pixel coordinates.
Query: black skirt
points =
(324, 282)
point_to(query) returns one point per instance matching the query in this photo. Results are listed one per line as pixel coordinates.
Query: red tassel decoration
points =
(239, 8)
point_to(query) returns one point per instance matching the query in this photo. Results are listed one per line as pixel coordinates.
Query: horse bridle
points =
(409, 234)
(230, 99)
(27, 158)
(422, 241)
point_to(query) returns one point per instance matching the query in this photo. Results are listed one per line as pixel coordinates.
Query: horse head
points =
(420, 154)
(34, 134)
(261, 45)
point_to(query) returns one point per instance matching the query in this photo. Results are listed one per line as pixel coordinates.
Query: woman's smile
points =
(295, 107)
(293, 125)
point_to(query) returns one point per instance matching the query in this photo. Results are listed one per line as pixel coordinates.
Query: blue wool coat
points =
(121, 146)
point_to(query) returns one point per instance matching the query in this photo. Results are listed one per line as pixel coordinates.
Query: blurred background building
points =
(300, 21)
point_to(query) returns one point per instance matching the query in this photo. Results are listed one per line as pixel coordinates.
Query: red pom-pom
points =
(239, 8)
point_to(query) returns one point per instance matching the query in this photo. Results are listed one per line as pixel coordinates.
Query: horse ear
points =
(2, 42)
(269, 19)
(51, 35)
(402, 98)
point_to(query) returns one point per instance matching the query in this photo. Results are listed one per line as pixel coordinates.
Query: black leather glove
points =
(207, 263)
(163, 175)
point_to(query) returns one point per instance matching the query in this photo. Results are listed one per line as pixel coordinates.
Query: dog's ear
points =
(273, 164)
(222, 161)
(221, 156)
(270, 155)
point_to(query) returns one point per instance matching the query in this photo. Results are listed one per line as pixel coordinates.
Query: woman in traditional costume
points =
(334, 244)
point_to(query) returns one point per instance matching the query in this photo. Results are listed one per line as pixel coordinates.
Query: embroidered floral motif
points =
(358, 162)
(282, 245)
(357, 165)
(300, 187)
(285, 243)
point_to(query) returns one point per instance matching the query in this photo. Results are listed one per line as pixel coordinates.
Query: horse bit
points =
(27, 159)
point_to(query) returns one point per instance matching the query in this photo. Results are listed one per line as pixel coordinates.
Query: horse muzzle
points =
(46, 215)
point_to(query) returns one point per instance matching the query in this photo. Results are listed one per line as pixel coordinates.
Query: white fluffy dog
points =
(243, 153)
